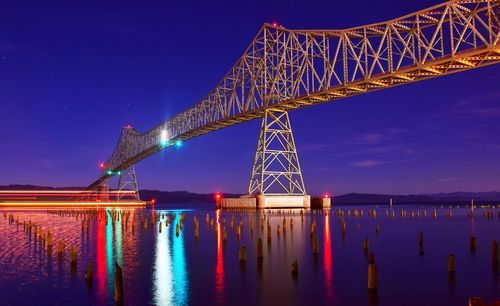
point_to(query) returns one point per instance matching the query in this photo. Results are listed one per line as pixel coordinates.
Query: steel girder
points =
(128, 181)
(288, 69)
(276, 168)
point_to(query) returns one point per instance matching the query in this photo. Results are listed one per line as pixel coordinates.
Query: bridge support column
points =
(128, 182)
(276, 179)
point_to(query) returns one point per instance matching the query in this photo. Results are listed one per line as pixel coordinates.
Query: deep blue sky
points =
(72, 73)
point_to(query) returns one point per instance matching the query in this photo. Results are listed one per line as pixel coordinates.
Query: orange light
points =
(71, 204)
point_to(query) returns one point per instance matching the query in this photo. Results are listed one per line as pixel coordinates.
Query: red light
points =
(101, 165)
(153, 201)
(218, 196)
(326, 196)
(129, 126)
(275, 24)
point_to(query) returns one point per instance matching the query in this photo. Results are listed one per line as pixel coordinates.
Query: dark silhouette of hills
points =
(453, 197)
(186, 197)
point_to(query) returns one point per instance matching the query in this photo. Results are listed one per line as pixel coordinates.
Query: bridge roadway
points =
(285, 69)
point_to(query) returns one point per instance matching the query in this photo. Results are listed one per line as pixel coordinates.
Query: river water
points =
(163, 268)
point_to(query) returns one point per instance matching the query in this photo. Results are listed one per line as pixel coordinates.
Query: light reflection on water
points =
(327, 255)
(110, 262)
(170, 273)
(101, 251)
(219, 267)
(163, 269)
(163, 289)
(181, 286)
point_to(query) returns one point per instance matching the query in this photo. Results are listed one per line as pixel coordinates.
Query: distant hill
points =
(453, 197)
(186, 197)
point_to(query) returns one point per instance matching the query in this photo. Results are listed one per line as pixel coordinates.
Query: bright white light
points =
(164, 138)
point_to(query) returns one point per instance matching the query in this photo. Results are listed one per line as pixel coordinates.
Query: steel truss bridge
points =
(284, 69)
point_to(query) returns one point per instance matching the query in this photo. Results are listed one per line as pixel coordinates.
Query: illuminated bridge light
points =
(110, 172)
(178, 143)
(101, 165)
(119, 173)
(164, 141)
(326, 196)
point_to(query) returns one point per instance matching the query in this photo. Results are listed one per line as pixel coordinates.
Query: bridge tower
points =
(276, 178)
(127, 181)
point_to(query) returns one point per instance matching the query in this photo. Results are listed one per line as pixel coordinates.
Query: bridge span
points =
(284, 69)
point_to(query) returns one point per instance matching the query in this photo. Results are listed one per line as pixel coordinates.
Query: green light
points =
(178, 143)
(110, 172)
(119, 173)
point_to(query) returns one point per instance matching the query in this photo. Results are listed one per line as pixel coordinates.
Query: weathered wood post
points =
(372, 272)
(473, 244)
(118, 285)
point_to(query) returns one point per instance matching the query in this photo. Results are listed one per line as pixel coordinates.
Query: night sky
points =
(73, 73)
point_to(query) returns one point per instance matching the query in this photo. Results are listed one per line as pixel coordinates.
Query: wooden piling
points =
(451, 263)
(494, 251)
(372, 272)
(315, 245)
(242, 253)
(89, 273)
(260, 249)
(295, 268)
(73, 258)
(473, 243)
(118, 285)
(49, 242)
(421, 243)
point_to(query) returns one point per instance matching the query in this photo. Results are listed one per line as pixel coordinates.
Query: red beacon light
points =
(101, 165)
(218, 196)
(129, 126)
(274, 24)
(326, 196)
(153, 200)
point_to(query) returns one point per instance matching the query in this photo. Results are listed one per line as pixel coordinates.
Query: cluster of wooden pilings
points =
(129, 219)
(343, 215)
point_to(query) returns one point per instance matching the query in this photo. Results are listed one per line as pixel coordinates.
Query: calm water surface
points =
(163, 269)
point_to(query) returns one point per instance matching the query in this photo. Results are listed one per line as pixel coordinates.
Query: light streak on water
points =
(181, 288)
(162, 275)
(219, 268)
(118, 241)
(109, 251)
(171, 285)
